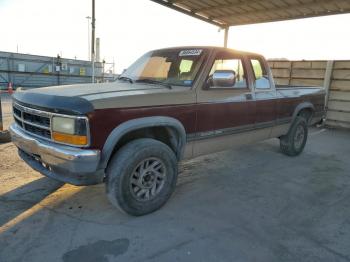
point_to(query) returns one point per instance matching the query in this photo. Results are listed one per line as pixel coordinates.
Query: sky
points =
(130, 28)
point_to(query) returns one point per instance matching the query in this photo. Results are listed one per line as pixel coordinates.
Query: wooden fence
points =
(334, 76)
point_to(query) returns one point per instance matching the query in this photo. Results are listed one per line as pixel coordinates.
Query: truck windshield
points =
(172, 67)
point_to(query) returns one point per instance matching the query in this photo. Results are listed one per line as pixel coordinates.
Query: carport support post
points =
(327, 81)
(226, 36)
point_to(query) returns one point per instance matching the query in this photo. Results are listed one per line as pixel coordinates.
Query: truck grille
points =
(33, 121)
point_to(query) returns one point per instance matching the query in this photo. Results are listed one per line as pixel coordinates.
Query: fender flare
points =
(139, 123)
(304, 105)
(298, 109)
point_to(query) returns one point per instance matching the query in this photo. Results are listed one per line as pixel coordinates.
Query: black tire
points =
(121, 174)
(294, 142)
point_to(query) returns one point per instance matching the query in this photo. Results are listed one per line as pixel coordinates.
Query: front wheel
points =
(294, 142)
(141, 176)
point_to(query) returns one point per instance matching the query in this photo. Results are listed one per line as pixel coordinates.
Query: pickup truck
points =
(170, 105)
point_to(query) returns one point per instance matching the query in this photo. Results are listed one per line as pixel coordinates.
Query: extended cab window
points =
(261, 78)
(230, 64)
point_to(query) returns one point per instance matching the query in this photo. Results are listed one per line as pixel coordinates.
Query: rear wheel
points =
(294, 142)
(141, 176)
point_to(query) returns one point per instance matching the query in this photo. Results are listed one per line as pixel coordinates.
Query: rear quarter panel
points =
(290, 98)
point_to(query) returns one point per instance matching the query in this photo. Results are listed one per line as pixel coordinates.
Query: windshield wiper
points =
(125, 78)
(150, 81)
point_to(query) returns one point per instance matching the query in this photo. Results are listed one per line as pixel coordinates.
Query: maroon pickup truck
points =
(171, 104)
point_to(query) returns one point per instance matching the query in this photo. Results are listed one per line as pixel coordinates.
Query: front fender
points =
(139, 123)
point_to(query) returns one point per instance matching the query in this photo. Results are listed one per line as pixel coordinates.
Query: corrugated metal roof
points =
(226, 13)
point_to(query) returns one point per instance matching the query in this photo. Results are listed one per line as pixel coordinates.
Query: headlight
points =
(63, 125)
(69, 130)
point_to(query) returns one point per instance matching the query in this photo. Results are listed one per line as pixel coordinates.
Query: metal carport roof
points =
(226, 13)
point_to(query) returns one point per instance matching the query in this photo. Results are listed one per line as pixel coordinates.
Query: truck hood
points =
(89, 90)
(84, 98)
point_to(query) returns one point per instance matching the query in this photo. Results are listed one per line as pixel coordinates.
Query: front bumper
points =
(67, 164)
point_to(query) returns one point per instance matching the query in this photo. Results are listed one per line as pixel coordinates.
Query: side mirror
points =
(223, 78)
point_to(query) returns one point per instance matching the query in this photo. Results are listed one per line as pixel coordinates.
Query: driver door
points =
(224, 113)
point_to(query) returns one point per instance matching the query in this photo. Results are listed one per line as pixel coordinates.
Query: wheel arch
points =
(305, 106)
(173, 127)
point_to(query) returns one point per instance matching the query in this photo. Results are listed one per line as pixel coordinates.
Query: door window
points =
(230, 64)
(261, 78)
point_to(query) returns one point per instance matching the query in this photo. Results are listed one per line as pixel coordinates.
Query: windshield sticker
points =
(193, 52)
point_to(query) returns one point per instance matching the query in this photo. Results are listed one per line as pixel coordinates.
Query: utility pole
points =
(93, 41)
(89, 41)
(113, 66)
(58, 68)
(103, 70)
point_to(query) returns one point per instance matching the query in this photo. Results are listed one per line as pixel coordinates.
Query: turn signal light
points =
(70, 139)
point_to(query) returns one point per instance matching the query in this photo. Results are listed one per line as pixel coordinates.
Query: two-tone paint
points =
(212, 119)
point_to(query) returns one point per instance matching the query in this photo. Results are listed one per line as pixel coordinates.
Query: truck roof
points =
(210, 48)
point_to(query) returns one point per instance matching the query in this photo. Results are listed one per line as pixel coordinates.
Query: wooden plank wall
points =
(312, 73)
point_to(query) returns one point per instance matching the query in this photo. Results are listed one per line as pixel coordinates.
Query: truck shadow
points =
(24, 197)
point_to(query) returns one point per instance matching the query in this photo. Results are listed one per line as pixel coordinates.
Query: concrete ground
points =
(250, 204)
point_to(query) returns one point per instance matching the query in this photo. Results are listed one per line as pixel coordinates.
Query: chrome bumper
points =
(68, 164)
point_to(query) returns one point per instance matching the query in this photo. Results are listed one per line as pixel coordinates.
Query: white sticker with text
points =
(192, 52)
